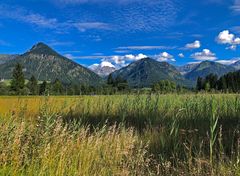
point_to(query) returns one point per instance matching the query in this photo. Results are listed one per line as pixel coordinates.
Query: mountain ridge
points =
(46, 64)
(147, 71)
(207, 67)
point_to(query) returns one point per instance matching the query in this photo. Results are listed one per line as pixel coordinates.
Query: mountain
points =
(147, 71)
(46, 64)
(236, 65)
(103, 69)
(186, 68)
(207, 67)
(7, 57)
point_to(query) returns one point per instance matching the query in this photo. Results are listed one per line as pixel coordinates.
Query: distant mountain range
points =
(147, 71)
(103, 69)
(7, 57)
(46, 64)
(186, 68)
(236, 65)
(205, 68)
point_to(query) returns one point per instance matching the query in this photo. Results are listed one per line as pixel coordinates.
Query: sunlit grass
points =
(120, 135)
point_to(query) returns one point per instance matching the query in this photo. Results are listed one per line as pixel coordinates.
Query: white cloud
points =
(181, 55)
(196, 44)
(232, 47)
(132, 15)
(164, 56)
(101, 65)
(25, 16)
(225, 37)
(236, 41)
(93, 66)
(196, 62)
(22, 15)
(206, 54)
(91, 25)
(74, 2)
(121, 61)
(107, 64)
(228, 62)
(145, 47)
(236, 6)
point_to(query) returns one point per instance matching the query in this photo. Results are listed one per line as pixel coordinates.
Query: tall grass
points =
(48, 147)
(121, 135)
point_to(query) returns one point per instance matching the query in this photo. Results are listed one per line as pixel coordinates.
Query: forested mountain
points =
(7, 57)
(207, 67)
(147, 71)
(236, 65)
(46, 64)
(187, 68)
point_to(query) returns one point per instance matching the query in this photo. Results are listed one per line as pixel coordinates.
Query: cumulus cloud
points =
(181, 55)
(196, 44)
(121, 61)
(225, 37)
(164, 56)
(101, 65)
(206, 54)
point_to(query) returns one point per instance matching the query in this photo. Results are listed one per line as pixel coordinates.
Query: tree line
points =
(229, 82)
(19, 86)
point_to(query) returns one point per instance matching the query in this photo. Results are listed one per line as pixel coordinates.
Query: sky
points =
(122, 31)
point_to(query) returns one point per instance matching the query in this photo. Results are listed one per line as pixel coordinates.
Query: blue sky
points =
(122, 31)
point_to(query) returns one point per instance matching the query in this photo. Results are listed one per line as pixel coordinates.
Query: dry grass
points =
(120, 135)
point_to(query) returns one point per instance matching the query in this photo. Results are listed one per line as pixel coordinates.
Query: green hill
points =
(7, 57)
(46, 64)
(147, 71)
(207, 67)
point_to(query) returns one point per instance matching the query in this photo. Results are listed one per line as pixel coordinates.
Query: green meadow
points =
(194, 134)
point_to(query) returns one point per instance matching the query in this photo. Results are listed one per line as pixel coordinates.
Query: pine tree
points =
(199, 84)
(57, 87)
(33, 86)
(18, 81)
(110, 80)
(43, 88)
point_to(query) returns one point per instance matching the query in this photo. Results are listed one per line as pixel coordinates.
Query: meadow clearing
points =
(120, 135)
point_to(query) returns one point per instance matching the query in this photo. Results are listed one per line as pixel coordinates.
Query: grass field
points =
(120, 135)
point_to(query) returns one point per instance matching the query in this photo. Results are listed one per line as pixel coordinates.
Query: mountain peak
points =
(147, 71)
(42, 48)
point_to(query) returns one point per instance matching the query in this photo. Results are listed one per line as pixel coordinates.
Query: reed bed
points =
(121, 135)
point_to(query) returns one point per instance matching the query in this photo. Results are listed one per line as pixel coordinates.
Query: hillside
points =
(7, 57)
(46, 64)
(103, 69)
(146, 72)
(186, 68)
(207, 67)
(236, 65)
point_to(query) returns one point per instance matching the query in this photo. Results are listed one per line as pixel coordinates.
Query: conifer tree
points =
(33, 86)
(18, 81)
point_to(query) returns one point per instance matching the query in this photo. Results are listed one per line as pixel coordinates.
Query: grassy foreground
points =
(120, 135)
